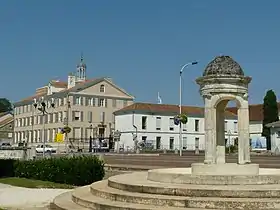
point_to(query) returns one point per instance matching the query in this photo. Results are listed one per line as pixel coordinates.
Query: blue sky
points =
(141, 44)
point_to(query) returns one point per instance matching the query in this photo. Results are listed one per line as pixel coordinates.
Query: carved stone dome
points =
(223, 65)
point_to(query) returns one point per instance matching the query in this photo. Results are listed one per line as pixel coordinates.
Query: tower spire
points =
(81, 69)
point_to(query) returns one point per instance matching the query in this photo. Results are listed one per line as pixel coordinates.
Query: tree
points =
(5, 105)
(270, 114)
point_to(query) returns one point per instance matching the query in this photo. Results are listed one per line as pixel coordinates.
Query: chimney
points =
(71, 80)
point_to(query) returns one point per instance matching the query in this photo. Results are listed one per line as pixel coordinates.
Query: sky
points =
(140, 44)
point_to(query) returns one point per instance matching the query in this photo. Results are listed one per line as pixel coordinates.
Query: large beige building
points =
(87, 106)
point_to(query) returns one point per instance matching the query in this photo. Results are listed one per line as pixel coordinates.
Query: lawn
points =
(30, 183)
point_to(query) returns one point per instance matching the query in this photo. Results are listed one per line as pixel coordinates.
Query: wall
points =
(124, 123)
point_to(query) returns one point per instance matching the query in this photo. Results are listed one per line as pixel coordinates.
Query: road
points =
(183, 161)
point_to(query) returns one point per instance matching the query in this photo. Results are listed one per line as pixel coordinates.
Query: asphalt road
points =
(183, 161)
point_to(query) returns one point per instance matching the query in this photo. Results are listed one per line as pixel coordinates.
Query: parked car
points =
(5, 145)
(48, 149)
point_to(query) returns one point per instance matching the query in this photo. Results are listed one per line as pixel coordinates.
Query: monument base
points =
(232, 169)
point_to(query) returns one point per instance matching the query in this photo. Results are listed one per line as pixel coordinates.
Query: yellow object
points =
(59, 137)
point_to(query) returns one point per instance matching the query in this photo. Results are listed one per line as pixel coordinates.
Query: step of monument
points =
(185, 176)
(101, 189)
(64, 202)
(83, 197)
(137, 182)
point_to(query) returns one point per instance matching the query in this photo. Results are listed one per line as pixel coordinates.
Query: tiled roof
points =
(167, 108)
(6, 121)
(41, 94)
(59, 84)
(255, 111)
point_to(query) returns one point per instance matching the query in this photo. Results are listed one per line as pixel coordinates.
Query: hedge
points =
(78, 171)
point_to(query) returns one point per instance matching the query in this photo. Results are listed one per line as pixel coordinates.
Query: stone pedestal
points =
(225, 169)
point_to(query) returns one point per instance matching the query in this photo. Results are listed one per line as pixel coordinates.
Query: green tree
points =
(5, 105)
(270, 114)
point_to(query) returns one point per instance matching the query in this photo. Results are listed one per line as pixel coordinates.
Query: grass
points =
(30, 183)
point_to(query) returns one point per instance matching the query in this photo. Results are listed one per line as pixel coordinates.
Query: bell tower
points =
(81, 70)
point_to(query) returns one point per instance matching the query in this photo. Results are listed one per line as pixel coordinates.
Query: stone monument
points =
(223, 80)
(213, 184)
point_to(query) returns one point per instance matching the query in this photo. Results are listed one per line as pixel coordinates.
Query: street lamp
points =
(180, 104)
(117, 135)
(42, 107)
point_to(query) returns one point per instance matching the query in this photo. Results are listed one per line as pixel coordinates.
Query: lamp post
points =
(117, 135)
(42, 107)
(229, 144)
(180, 103)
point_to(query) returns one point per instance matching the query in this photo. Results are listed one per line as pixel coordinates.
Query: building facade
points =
(85, 105)
(6, 127)
(154, 125)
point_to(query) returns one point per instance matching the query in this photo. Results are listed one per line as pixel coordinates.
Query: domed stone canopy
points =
(223, 65)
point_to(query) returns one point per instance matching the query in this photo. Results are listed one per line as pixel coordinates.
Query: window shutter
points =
(74, 100)
(73, 115)
(82, 116)
(105, 101)
(86, 102)
(82, 101)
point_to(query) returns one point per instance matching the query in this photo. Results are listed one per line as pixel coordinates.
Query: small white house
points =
(154, 125)
(275, 136)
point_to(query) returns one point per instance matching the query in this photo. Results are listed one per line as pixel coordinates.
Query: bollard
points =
(176, 151)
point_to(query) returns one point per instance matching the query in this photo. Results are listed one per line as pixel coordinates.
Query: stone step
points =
(185, 176)
(83, 197)
(64, 202)
(137, 182)
(101, 189)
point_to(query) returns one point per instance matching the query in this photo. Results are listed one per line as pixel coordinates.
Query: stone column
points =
(209, 128)
(244, 135)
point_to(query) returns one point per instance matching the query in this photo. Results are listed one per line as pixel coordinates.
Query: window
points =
(226, 126)
(78, 101)
(102, 89)
(184, 126)
(76, 116)
(196, 125)
(158, 123)
(102, 117)
(102, 102)
(185, 142)
(124, 103)
(171, 124)
(144, 139)
(90, 117)
(144, 123)
(60, 118)
(114, 103)
(235, 127)
(196, 143)
(158, 142)
(91, 101)
(171, 143)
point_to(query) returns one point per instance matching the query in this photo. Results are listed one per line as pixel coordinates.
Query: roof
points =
(6, 121)
(223, 65)
(4, 113)
(255, 111)
(166, 108)
(273, 124)
(81, 85)
(58, 84)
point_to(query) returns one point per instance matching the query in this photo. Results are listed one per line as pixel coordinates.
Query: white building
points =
(154, 125)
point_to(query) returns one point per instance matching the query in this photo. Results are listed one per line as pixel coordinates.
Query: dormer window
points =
(102, 89)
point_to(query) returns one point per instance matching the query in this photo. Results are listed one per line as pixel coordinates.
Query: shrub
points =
(80, 170)
(7, 167)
